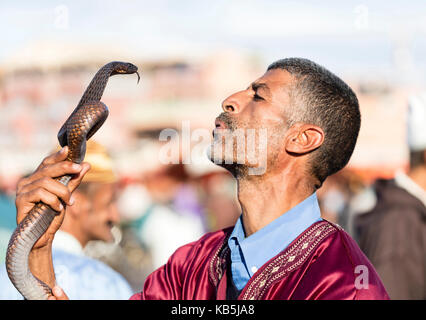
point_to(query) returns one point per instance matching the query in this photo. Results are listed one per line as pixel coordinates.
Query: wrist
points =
(41, 265)
(41, 251)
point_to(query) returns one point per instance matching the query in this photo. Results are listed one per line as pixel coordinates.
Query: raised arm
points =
(41, 186)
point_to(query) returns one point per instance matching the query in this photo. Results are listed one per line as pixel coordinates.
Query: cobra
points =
(84, 121)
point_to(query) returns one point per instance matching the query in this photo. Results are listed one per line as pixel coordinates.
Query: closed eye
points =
(255, 87)
(257, 97)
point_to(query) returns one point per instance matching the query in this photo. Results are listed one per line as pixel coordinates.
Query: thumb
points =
(76, 180)
(58, 294)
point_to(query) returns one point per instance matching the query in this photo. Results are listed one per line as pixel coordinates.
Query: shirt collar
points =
(266, 243)
(66, 242)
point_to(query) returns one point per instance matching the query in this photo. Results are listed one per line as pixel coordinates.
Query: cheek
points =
(276, 137)
(273, 118)
(264, 116)
(83, 213)
(91, 221)
(101, 215)
(95, 220)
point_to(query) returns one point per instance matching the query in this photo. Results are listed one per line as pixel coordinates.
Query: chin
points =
(219, 159)
(217, 155)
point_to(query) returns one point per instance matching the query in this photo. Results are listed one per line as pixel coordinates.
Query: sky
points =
(373, 37)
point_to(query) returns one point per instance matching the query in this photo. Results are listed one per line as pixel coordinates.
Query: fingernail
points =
(72, 200)
(61, 207)
(76, 166)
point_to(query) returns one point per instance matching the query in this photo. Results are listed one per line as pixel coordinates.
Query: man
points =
(90, 217)
(305, 122)
(393, 233)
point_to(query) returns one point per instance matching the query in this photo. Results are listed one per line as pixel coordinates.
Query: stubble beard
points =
(241, 149)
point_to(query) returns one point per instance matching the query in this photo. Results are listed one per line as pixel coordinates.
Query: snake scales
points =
(84, 121)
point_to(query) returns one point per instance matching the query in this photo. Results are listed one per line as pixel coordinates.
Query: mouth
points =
(220, 124)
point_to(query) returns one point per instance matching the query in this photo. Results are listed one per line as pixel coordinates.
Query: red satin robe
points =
(323, 262)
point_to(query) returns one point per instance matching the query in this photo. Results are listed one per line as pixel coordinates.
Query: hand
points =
(58, 294)
(41, 186)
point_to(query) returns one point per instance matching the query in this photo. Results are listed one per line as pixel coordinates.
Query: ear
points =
(303, 138)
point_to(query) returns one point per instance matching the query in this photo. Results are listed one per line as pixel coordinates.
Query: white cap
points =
(416, 122)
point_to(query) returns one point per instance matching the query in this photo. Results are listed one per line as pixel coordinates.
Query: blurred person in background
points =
(342, 196)
(128, 255)
(171, 216)
(393, 233)
(333, 198)
(91, 217)
(221, 205)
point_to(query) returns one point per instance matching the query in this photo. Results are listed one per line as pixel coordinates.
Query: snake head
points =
(124, 68)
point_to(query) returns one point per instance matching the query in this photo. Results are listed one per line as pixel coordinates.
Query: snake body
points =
(84, 121)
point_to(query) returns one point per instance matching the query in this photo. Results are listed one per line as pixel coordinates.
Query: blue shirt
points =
(249, 254)
(81, 277)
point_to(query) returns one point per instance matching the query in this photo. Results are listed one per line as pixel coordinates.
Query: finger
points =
(59, 293)
(76, 180)
(55, 170)
(51, 185)
(55, 157)
(26, 201)
(21, 183)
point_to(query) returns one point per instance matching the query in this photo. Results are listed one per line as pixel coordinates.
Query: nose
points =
(228, 106)
(233, 104)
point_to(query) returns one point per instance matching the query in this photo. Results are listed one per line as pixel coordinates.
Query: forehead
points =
(276, 79)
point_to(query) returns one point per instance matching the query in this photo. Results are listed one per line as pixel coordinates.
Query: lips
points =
(220, 124)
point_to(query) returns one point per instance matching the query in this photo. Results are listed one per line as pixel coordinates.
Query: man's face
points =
(254, 117)
(101, 213)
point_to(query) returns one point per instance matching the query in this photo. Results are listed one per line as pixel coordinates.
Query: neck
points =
(81, 238)
(76, 233)
(265, 198)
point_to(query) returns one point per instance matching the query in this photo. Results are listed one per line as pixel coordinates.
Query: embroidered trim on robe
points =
(278, 267)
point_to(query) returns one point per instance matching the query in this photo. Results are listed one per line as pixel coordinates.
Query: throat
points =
(264, 200)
